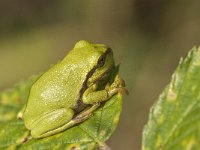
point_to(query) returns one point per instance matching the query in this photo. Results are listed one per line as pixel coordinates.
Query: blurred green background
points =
(148, 38)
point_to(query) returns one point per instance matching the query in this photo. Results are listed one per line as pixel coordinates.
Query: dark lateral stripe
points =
(84, 86)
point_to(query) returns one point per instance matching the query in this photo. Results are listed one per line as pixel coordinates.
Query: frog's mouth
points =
(102, 69)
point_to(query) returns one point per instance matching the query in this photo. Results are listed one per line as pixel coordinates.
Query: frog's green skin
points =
(58, 96)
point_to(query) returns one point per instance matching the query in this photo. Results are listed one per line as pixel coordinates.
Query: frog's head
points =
(100, 56)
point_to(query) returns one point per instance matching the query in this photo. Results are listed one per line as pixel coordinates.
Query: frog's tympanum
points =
(71, 90)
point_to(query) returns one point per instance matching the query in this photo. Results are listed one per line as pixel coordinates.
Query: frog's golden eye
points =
(101, 61)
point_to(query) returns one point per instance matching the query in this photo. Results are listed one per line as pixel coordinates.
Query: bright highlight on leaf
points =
(174, 121)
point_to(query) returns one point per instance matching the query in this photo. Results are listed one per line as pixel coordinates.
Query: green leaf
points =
(11, 100)
(174, 121)
(90, 134)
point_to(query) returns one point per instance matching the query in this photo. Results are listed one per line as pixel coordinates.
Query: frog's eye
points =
(101, 61)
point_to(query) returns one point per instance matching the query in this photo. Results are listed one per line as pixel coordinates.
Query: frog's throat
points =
(104, 74)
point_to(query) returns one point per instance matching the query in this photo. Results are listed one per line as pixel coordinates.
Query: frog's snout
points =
(82, 43)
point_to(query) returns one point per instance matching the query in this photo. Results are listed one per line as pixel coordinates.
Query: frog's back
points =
(60, 86)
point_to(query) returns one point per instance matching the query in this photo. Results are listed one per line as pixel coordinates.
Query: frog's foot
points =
(26, 139)
(118, 86)
(118, 82)
(86, 113)
(113, 91)
(20, 113)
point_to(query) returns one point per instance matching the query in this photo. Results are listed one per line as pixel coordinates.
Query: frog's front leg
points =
(92, 96)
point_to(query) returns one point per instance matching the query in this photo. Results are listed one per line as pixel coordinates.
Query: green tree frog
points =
(71, 90)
